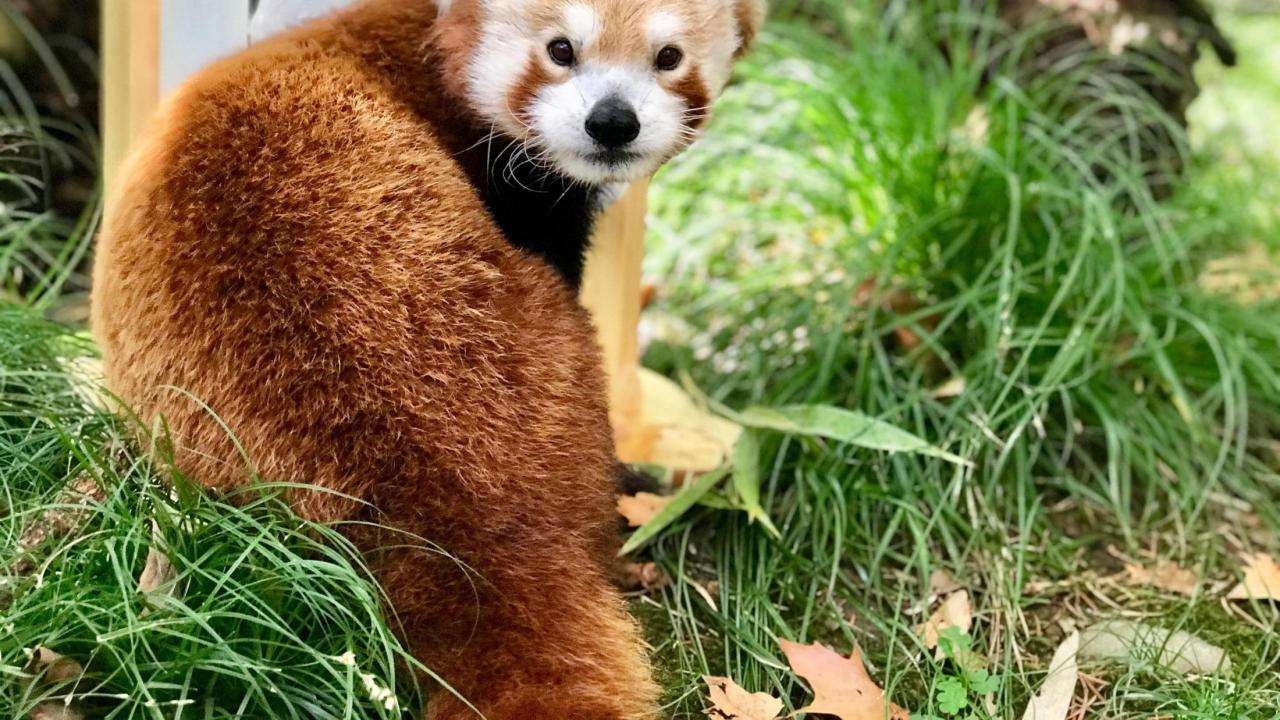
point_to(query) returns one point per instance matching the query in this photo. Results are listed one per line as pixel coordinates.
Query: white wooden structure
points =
(151, 46)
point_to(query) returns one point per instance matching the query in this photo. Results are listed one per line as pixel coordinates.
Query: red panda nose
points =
(613, 123)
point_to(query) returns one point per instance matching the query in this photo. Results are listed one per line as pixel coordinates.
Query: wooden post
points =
(611, 291)
(148, 48)
(130, 76)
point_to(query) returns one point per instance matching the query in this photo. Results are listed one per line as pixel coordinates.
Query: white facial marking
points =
(443, 6)
(560, 114)
(583, 24)
(553, 123)
(502, 52)
(664, 28)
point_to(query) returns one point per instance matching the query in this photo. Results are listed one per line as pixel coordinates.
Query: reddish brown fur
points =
(297, 245)
(526, 89)
(456, 42)
(750, 18)
(696, 96)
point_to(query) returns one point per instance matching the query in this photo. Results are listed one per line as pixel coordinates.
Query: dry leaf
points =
(1166, 576)
(52, 669)
(639, 576)
(955, 612)
(158, 579)
(841, 686)
(1261, 579)
(640, 508)
(941, 583)
(895, 301)
(1053, 702)
(672, 431)
(953, 388)
(157, 573)
(55, 667)
(56, 711)
(1179, 651)
(730, 702)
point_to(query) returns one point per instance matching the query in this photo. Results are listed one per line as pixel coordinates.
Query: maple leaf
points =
(730, 702)
(841, 686)
(1261, 579)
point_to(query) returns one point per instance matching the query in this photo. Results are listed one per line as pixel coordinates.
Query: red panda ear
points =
(457, 31)
(751, 15)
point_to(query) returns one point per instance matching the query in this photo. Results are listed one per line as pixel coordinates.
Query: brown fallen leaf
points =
(730, 702)
(639, 576)
(895, 301)
(640, 508)
(157, 574)
(1166, 576)
(841, 686)
(57, 711)
(51, 668)
(1053, 702)
(159, 579)
(1261, 579)
(54, 667)
(670, 430)
(955, 612)
(941, 583)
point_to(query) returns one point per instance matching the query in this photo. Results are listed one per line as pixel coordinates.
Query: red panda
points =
(358, 244)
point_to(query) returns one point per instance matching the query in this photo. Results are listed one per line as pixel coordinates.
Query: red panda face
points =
(601, 90)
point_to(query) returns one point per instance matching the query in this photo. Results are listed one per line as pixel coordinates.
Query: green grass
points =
(866, 222)
(42, 252)
(1109, 399)
(264, 615)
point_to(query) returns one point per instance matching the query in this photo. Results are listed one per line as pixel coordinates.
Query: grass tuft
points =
(887, 206)
(259, 613)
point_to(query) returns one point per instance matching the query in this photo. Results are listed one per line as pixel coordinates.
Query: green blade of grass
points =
(747, 479)
(680, 504)
(845, 426)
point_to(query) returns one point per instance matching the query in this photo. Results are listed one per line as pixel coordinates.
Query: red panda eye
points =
(561, 52)
(669, 58)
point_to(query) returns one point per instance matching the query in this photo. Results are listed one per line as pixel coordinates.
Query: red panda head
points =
(600, 90)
